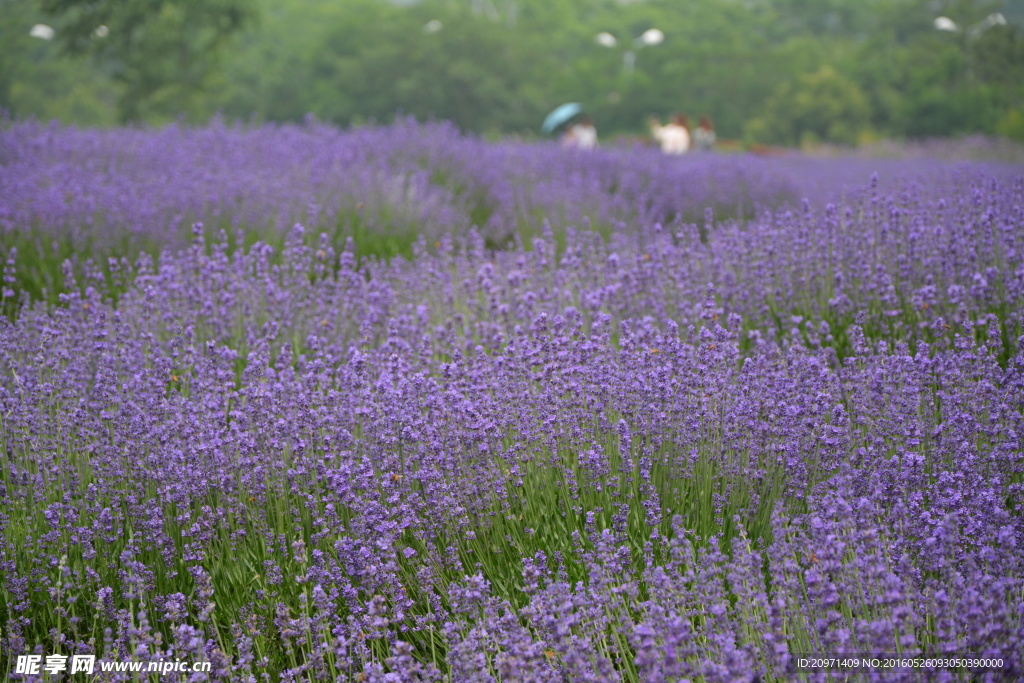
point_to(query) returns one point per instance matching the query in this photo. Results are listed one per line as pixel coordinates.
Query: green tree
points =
(381, 60)
(822, 106)
(160, 51)
(36, 81)
(500, 65)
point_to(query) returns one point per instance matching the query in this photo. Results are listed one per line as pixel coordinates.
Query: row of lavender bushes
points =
(400, 181)
(73, 193)
(675, 449)
(889, 257)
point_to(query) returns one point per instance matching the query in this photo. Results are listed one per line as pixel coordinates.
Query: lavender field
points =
(395, 404)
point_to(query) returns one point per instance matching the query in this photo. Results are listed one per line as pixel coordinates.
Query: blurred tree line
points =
(772, 71)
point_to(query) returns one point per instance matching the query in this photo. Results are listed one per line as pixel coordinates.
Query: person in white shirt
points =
(582, 135)
(674, 137)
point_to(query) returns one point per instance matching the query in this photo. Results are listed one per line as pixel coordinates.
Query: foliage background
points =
(770, 71)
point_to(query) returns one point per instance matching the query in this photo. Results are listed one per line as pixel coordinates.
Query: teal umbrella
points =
(560, 117)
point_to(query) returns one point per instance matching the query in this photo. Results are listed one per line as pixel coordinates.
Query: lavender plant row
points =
(672, 451)
(150, 186)
(936, 241)
(99, 187)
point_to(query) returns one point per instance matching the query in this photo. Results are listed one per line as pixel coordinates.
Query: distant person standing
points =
(582, 135)
(704, 136)
(674, 137)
